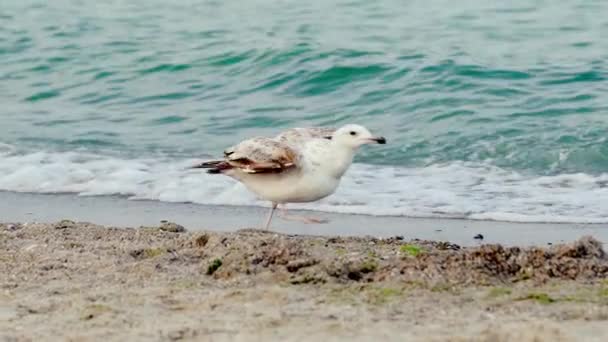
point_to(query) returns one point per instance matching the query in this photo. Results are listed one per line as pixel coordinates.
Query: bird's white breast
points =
(318, 175)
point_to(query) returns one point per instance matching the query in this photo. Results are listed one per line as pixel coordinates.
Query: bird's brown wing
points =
(262, 155)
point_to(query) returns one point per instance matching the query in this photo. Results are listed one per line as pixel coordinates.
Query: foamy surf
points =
(454, 190)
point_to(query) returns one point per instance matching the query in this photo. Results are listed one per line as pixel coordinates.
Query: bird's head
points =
(354, 136)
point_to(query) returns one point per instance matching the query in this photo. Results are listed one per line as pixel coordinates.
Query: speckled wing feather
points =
(268, 155)
(298, 136)
(261, 155)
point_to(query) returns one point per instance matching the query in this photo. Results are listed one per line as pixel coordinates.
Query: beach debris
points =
(295, 265)
(307, 279)
(65, 224)
(410, 250)
(335, 239)
(312, 259)
(94, 310)
(478, 237)
(214, 266)
(277, 252)
(499, 291)
(145, 253)
(444, 245)
(180, 334)
(353, 269)
(43, 307)
(201, 240)
(31, 247)
(584, 248)
(392, 240)
(541, 298)
(167, 226)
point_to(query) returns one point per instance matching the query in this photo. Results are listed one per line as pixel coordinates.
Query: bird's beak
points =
(378, 140)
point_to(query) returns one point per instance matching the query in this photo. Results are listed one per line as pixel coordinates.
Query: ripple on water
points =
(162, 98)
(94, 99)
(230, 58)
(103, 74)
(169, 119)
(333, 78)
(452, 114)
(166, 68)
(582, 77)
(43, 95)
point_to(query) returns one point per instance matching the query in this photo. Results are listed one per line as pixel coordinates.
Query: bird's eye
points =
(353, 133)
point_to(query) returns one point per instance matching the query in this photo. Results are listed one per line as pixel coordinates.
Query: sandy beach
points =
(78, 281)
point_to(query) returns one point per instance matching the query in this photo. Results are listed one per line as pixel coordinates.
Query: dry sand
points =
(83, 282)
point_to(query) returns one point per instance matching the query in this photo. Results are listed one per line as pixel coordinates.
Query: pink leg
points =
(274, 206)
(283, 214)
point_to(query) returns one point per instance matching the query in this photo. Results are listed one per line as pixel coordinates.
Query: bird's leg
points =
(283, 214)
(274, 206)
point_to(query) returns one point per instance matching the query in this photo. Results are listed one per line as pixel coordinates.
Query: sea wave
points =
(449, 190)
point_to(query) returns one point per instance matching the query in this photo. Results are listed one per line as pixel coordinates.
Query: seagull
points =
(299, 165)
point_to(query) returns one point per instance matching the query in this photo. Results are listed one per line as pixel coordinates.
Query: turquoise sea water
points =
(492, 110)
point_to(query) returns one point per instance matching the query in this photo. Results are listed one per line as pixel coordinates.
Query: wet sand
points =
(120, 212)
(84, 282)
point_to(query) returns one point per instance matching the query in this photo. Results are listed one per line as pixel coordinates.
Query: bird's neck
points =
(339, 161)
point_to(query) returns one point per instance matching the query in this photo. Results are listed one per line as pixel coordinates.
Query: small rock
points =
(171, 227)
(65, 224)
(478, 237)
(13, 227)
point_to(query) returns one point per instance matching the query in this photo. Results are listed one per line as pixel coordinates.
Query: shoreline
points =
(121, 212)
(81, 281)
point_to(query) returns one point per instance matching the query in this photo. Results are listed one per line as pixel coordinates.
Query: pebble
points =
(65, 224)
(13, 227)
(171, 227)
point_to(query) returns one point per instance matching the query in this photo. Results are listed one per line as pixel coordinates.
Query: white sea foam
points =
(459, 190)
